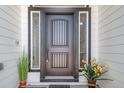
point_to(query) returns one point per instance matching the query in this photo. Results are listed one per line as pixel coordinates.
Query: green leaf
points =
(23, 67)
(90, 73)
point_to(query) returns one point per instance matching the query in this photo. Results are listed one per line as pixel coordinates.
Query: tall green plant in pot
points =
(23, 69)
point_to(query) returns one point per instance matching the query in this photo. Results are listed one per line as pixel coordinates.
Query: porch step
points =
(59, 79)
(57, 85)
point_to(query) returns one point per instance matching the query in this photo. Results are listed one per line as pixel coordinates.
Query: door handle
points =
(47, 61)
(47, 56)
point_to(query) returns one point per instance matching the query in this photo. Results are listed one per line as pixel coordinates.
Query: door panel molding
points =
(59, 59)
(59, 39)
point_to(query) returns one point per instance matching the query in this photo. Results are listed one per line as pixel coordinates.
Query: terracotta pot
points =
(23, 83)
(91, 83)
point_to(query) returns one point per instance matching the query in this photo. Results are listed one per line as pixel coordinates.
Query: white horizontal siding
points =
(110, 10)
(10, 12)
(111, 43)
(113, 49)
(107, 19)
(10, 34)
(114, 41)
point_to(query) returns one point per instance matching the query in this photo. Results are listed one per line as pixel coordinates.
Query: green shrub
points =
(23, 67)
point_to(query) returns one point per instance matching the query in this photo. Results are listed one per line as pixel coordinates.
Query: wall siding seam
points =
(111, 53)
(16, 12)
(11, 12)
(116, 77)
(11, 38)
(9, 52)
(10, 15)
(112, 29)
(110, 14)
(112, 37)
(10, 30)
(113, 78)
(18, 7)
(8, 45)
(111, 21)
(111, 61)
(103, 12)
(14, 25)
(100, 8)
(5, 61)
(112, 45)
(8, 75)
(9, 67)
(117, 80)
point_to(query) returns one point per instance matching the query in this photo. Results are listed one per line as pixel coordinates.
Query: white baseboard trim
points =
(33, 77)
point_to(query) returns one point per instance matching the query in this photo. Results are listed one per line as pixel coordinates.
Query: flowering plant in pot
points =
(23, 69)
(93, 72)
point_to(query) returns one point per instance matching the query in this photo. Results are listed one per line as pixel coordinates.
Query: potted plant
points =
(93, 72)
(23, 69)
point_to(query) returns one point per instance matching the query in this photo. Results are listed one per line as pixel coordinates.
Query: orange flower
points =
(93, 62)
(98, 70)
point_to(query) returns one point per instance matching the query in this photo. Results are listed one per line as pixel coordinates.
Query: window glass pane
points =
(61, 38)
(35, 39)
(83, 38)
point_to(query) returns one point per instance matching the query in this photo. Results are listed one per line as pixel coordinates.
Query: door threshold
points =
(47, 84)
(59, 79)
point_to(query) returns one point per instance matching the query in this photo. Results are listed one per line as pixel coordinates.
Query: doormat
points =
(59, 86)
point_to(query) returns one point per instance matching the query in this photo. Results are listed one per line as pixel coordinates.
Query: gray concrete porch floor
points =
(34, 81)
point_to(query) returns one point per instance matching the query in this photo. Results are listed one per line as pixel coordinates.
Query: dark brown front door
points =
(59, 45)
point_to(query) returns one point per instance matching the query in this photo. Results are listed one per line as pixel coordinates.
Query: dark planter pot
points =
(23, 84)
(92, 83)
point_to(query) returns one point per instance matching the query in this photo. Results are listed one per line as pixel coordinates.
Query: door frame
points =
(47, 10)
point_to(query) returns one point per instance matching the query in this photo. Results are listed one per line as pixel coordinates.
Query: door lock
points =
(47, 58)
(47, 61)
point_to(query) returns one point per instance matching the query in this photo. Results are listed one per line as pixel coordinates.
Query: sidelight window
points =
(83, 37)
(35, 39)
